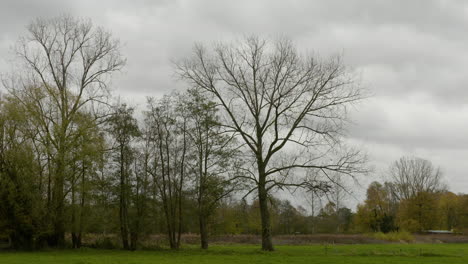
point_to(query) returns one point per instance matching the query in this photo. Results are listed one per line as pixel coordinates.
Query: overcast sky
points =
(412, 55)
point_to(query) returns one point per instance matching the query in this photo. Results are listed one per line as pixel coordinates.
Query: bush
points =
(410, 225)
(393, 236)
(104, 243)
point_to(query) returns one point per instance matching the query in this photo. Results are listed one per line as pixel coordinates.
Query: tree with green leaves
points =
(123, 127)
(417, 213)
(65, 65)
(378, 212)
(215, 158)
(88, 148)
(20, 205)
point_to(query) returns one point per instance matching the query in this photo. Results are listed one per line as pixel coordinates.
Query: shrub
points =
(393, 236)
(410, 225)
(104, 243)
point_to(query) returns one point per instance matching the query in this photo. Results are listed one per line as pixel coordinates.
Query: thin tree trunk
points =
(133, 240)
(203, 232)
(135, 228)
(73, 216)
(312, 215)
(181, 182)
(49, 183)
(58, 236)
(123, 204)
(267, 244)
(123, 224)
(82, 204)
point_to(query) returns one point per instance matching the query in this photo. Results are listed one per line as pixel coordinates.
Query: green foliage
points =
(418, 212)
(19, 206)
(105, 243)
(383, 212)
(410, 225)
(393, 236)
(378, 212)
(333, 220)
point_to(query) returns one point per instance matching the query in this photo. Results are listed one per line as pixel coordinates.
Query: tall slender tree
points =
(170, 148)
(215, 157)
(124, 129)
(66, 64)
(88, 147)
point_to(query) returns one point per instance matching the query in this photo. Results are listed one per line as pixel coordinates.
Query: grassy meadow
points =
(246, 254)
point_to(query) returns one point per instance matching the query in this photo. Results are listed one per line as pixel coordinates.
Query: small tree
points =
(88, 147)
(378, 212)
(124, 129)
(214, 157)
(168, 134)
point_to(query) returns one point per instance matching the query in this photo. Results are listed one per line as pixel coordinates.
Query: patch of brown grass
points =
(156, 241)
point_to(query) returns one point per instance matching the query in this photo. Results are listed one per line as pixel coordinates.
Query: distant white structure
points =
(440, 231)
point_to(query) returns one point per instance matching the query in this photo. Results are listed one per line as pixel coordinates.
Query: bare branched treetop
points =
(280, 103)
(289, 110)
(412, 175)
(70, 58)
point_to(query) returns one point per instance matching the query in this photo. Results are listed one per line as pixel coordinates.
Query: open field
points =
(375, 253)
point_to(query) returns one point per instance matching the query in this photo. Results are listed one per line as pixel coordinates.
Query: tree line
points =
(414, 199)
(257, 117)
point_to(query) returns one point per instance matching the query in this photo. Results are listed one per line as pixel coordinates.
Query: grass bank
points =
(245, 254)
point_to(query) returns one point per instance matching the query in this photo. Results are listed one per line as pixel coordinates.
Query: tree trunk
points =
(82, 204)
(133, 240)
(203, 232)
(74, 240)
(267, 244)
(49, 183)
(58, 236)
(123, 224)
(73, 217)
(123, 212)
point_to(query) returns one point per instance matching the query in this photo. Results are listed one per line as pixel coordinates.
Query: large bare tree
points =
(411, 175)
(65, 67)
(288, 109)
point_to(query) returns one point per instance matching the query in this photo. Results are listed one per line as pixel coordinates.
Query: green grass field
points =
(376, 253)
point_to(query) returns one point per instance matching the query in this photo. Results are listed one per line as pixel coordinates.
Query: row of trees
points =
(414, 199)
(259, 117)
(242, 218)
(179, 154)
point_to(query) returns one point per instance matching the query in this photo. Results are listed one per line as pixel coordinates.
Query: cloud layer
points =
(412, 55)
